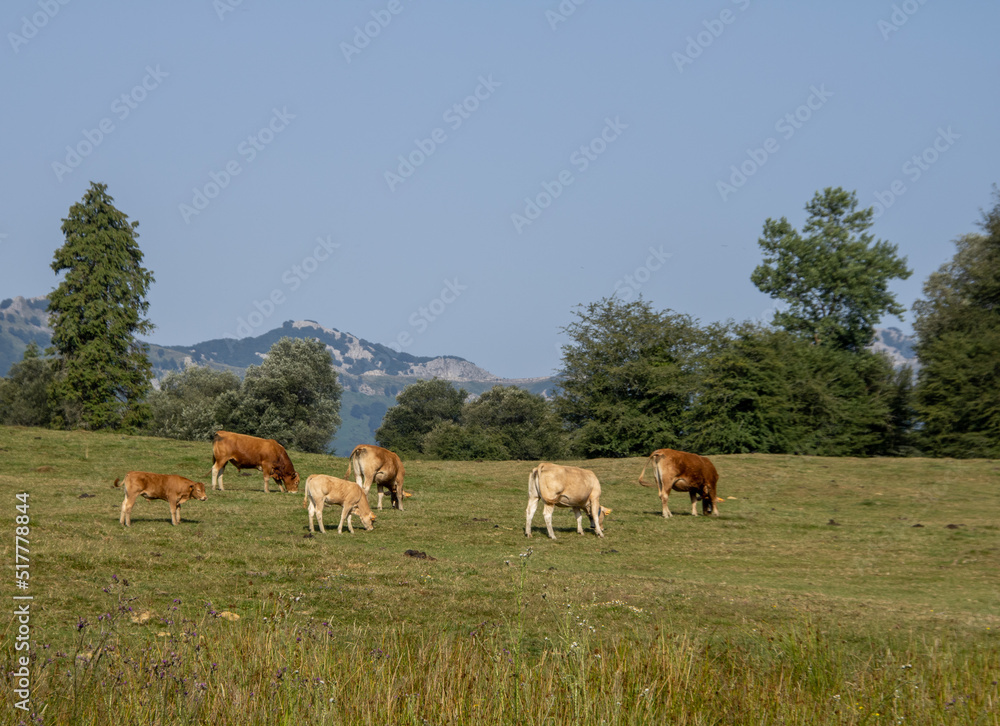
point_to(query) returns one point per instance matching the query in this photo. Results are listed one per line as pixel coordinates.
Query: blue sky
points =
(455, 177)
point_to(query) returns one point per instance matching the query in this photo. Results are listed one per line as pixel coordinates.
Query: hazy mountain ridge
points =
(897, 345)
(372, 374)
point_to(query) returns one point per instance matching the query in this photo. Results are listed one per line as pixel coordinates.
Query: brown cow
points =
(322, 489)
(173, 489)
(375, 464)
(249, 452)
(684, 472)
(565, 486)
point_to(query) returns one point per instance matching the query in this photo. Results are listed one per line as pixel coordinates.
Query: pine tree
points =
(96, 313)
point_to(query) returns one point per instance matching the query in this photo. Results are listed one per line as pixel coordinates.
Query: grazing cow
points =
(322, 489)
(684, 472)
(173, 489)
(375, 464)
(249, 452)
(565, 486)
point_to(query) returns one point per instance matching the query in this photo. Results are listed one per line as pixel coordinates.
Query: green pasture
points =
(854, 578)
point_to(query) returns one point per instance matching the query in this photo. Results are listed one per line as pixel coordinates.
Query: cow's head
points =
(197, 491)
(367, 518)
(708, 501)
(291, 482)
(604, 510)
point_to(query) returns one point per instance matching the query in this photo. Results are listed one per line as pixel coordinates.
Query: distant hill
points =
(897, 345)
(22, 320)
(371, 374)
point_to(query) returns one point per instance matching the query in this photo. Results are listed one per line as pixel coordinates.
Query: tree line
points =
(633, 378)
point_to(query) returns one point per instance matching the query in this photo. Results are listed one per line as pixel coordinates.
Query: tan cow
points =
(173, 489)
(250, 452)
(684, 472)
(565, 486)
(321, 489)
(374, 464)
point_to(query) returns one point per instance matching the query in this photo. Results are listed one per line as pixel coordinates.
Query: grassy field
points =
(828, 591)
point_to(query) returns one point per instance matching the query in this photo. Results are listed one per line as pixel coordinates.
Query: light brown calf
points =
(173, 489)
(565, 486)
(381, 466)
(684, 472)
(322, 489)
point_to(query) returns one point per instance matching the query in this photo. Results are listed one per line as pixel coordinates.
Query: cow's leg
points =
(595, 506)
(397, 494)
(579, 519)
(312, 515)
(364, 477)
(175, 513)
(664, 496)
(381, 492)
(694, 503)
(530, 514)
(126, 515)
(319, 514)
(547, 515)
(217, 475)
(344, 515)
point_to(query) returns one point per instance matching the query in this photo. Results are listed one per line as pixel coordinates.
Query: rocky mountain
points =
(371, 374)
(22, 320)
(897, 345)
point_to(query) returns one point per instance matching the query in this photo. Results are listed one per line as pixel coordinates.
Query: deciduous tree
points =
(24, 393)
(958, 345)
(292, 397)
(834, 276)
(628, 378)
(419, 408)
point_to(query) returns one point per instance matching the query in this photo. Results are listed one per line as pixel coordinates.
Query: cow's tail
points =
(116, 482)
(648, 462)
(534, 490)
(350, 460)
(305, 495)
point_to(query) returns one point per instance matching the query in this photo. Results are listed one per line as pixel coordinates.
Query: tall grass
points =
(837, 591)
(274, 667)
